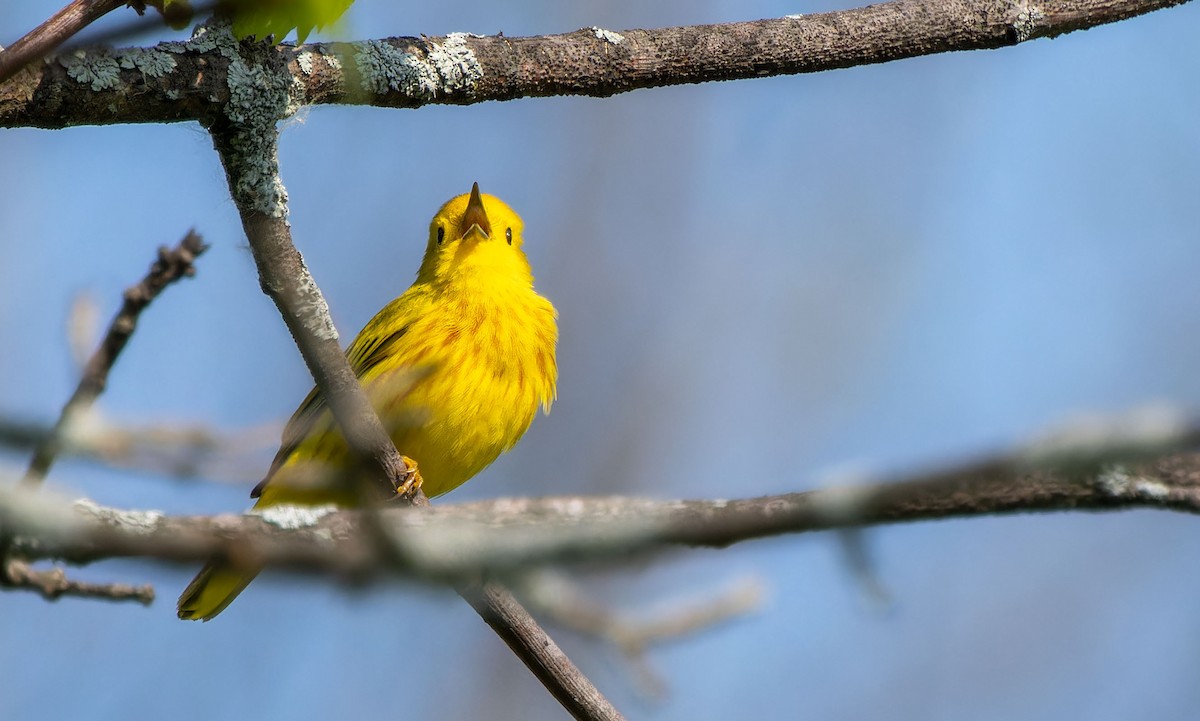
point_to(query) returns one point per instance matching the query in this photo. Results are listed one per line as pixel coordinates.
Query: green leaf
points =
(260, 18)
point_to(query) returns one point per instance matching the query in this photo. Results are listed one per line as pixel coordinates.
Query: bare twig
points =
(21, 434)
(83, 328)
(172, 264)
(182, 451)
(858, 561)
(178, 17)
(168, 448)
(193, 81)
(53, 584)
(554, 596)
(42, 40)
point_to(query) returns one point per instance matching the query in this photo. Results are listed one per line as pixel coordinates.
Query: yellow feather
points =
(487, 340)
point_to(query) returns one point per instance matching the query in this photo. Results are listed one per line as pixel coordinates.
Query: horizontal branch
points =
(179, 451)
(207, 78)
(452, 542)
(53, 584)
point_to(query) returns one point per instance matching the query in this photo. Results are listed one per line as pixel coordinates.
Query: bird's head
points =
(475, 236)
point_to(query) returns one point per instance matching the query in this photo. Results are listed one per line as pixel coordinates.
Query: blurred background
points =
(761, 283)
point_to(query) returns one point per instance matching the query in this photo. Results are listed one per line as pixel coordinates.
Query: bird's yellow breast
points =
(492, 364)
(486, 340)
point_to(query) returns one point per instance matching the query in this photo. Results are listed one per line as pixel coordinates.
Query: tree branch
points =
(194, 452)
(53, 584)
(449, 543)
(42, 40)
(513, 624)
(1072, 471)
(196, 80)
(249, 155)
(171, 265)
(246, 139)
(554, 596)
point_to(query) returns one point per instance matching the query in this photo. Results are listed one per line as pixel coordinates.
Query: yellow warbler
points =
(473, 319)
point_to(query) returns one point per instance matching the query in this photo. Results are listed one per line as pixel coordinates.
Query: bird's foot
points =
(410, 480)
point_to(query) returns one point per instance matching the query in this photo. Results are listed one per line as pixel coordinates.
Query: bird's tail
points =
(212, 590)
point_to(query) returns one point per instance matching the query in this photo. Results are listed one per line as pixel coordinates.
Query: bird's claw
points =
(410, 480)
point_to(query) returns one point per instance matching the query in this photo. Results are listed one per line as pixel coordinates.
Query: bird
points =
(480, 343)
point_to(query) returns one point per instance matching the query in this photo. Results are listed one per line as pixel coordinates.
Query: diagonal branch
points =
(171, 265)
(285, 278)
(45, 38)
(195, 81)
(499, 609)
(247, 142)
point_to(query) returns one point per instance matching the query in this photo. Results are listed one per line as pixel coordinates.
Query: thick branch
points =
(453, 542)
(197, 80)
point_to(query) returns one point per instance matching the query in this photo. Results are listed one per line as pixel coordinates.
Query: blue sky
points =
(759, 282)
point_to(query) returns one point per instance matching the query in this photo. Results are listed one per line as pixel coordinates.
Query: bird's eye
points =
(441, 234)
(508, 234)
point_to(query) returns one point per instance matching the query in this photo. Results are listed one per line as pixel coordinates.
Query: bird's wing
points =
(374, 344)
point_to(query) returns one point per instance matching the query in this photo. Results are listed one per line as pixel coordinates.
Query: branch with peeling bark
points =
(197, 80)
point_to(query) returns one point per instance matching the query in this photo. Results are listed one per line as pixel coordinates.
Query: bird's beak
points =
(475, 218)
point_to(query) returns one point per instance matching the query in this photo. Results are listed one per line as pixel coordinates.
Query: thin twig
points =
(181, 18)
(82, 328)
(861, 565)
(62, 26)
(192, 81)
(193, 452)
(53, 584)
(561, 599)
(567, 603)
(171, 265)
